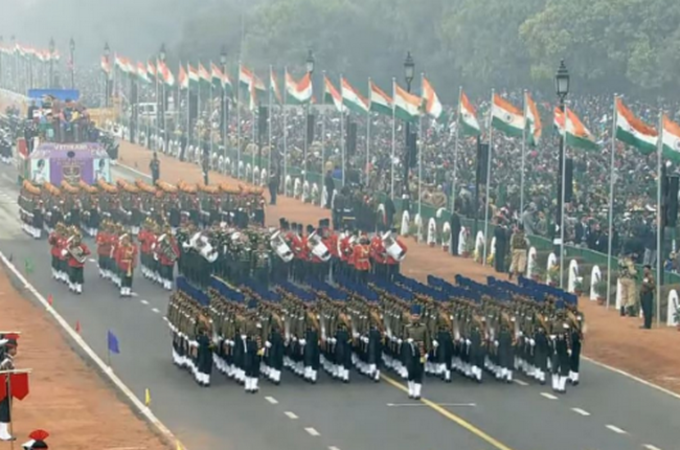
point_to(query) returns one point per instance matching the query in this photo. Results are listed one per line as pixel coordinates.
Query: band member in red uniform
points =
(394, 258)
(76, 252)
(103, 242)
(361, 258)
(346, 251)
(330, 240)
(378, 257)
(167, 253)
(147, 239)
(126, 258)
(57, 241)
(296, 245)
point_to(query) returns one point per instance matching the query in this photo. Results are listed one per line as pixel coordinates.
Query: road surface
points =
(608, 411)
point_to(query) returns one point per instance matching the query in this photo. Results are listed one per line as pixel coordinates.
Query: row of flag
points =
(29, 52)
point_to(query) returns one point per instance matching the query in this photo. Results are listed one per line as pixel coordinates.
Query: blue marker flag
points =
(113, 343)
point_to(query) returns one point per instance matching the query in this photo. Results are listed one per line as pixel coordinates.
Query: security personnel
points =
(647, 289)
(7, 363)
(627, 274)
(418, 343)
(519, 245)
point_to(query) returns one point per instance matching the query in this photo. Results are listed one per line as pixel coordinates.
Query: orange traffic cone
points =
(78, 326)
(49, 299)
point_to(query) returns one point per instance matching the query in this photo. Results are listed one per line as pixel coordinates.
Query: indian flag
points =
(406, 105)
(298, 92)
(671, 139)
(380, 102)
(533, 120)
(141, 73)
(217, 76)
(227, 84)
(467, 117)
(506, 117)
(203, 75)
(352, 98)
(258, 84)
(194, 79)
(575, 133)
(182, 78)
(433, 106)
(120, 63)
(331, 95)
(633, 131)
(106, 65)
(252, 104)
(274, 86)
(245, 77)
(166, 74)
(151, 69)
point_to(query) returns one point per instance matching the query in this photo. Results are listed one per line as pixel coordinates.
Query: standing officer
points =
(647, 296)
(155, 168)
(627, 274)
(518, 244)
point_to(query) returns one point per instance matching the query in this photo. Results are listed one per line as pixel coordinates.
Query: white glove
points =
(435, 344)
(553, 336)
(3, 342)
(268, 344)
(293, 338)
(399, 341)
(355, 335)
(495, 343)
(332, 340)
(303, 342)
(468, 341)
(532, 342)
(64, 252)
(409, 340)
(243, 337)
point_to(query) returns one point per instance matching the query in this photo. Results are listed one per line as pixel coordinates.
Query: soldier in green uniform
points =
(418, 342)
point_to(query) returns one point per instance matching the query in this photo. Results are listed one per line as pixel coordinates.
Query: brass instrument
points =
(76, 252)
(129, 255)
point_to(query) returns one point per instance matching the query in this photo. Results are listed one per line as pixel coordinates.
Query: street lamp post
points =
(409, 72)
(72, 47)
(309, 64)
(562, 89)
(107, 58)
(51, 62)
(2, 41)
(225, 103)
(162, 55)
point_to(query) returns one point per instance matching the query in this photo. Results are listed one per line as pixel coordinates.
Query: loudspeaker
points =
(262, 120)
(482, 162)
(412, 149)
(568, 180)
(670, 188)
(310, 128)
(351, 138)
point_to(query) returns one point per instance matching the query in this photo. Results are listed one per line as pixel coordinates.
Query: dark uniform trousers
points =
(414, 364)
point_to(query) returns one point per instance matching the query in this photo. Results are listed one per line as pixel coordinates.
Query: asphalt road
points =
(607, 411)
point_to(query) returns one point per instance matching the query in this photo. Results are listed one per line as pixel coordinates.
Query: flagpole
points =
(659, 220)
(269, 118)
(455, 153)
(420, 153)
(394, 135)
(253, 93)
(611, 204)
(488, 181)
(210, 105)
(158, 107)
(178, 103)
(238, 124)
(524, 153)
(323, 141)
(285, 131)
(188, 108)
(198, 112)
(342, 134)
(368, 135)
(563, 174)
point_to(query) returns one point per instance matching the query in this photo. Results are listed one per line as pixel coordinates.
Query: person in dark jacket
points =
(456, 226)
(329, 183)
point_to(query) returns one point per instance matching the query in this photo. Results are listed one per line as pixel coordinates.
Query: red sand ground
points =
(612, 340)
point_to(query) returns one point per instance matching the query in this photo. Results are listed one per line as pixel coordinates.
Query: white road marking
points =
(521, 383)
(166, 319)
(78, 339)
(291, 415)
(616, 429)
(133, 170)
(155, 310)
(548, 396)
(580, 411)
(312, 432)
(650, 447)
(399, 405)
(144, 302)
(92, 260)
(134, 294)
(271, 400)
(332, 447)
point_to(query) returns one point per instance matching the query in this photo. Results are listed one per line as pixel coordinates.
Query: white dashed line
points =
(333, 448)
(312, 432)
(580, 411)
(155, 310)
(166, 319)
(616, 429)
(650, 447)
(92, 260)
(548, 396)
(291, 415)
(144, 302)
(521, 383)
(271, 400)
(134, 294)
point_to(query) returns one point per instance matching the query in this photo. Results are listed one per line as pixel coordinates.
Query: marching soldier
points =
(166, 253)
(126, 258)
(57, 241)
(417, 340)
(577, 328)
(253, 347)
(7, 364)
(560, 363)
(77, 252)
(104, 248)
(361, 258)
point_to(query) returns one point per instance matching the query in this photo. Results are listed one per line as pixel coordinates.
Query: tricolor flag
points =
(141, 73)
(252, 105)
(227, 85)
(331, 95)
(217, 76)
(258, 84)
(431, 103)
(203, 75)
(182, 78)
(506, 117)
(671, 139)
(352, 98)
(406, 105)
(166, 74)
(121, 63)
(298, 93)
(577, 135)
(533, 120)
(194, 79)
(467, 117)
(151, 69)
(106, 65)
(274, 87)
(633, 131)
(379, 101)
(245, 77)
